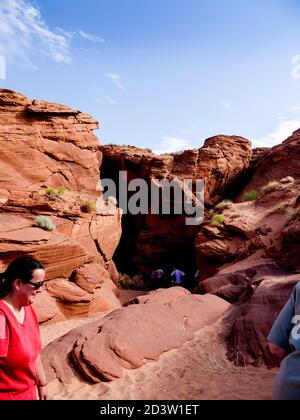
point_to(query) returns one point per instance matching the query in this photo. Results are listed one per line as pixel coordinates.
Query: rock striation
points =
(132, 336)
(153, 240)
(50, 161)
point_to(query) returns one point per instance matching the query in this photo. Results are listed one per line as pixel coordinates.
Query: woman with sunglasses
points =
(22, 375)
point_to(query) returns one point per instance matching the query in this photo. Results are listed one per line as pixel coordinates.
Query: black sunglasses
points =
(37, 285)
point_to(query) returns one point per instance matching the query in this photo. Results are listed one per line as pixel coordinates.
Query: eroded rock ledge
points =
(45, 145)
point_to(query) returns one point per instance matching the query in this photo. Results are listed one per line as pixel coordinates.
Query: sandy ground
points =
(197, 371)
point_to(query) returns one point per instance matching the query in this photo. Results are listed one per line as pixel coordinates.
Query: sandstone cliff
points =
(247, 248)
(251, 257)
(152, 240)
(44, 145)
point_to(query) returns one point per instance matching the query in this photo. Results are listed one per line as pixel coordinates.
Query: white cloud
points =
(105, 101)
(226, 105)
(171, 145)
(91, 38)
(284, 129)
(116, 79)
(24, 35)
(296, 67)
(2, 68)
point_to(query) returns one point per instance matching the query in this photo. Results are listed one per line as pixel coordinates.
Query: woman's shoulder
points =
(3, 307)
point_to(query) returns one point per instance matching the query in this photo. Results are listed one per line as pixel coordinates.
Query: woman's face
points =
(28, 291)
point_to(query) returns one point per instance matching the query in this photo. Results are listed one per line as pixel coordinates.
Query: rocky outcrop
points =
(248, 338)
(265, 224)
(44, 146)
(250, 256)
(152, 240)
(221, 162)
(52, 145)
(130, 337)
(276, 163)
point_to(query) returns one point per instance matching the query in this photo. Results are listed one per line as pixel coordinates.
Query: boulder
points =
(130, 337)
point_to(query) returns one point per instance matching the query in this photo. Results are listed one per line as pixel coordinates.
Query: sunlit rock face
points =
(252, 257)
(45, 145)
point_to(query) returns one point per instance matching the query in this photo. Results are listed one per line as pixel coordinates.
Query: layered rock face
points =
(251, 257)
(152, 240)
(52, 144)
(130, 337)
(277, 163)
(45, 145)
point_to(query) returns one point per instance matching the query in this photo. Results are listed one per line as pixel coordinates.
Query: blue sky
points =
(162, 74)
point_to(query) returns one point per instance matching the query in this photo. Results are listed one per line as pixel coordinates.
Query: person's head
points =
(23, 279)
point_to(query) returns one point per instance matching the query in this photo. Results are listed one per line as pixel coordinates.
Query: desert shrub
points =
(45, 223)
(218, 219)
(134, 283)
(55, 193)
(250, 196)
(61, 189)
(225, 204)
(221, 362)
(271, 187)
(87, 206)
(51, 193)
(287, 180)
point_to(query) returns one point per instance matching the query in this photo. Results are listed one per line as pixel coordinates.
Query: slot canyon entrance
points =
(150, 241)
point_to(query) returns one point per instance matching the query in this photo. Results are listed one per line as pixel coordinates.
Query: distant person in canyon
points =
(284, 344)
(158, 278)
(22, 376)
(177, 277)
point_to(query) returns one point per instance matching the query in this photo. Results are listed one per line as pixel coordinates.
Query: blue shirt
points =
(286, 334)
(178, 276)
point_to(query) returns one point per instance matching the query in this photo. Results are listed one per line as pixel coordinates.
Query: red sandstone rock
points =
(52, 144)
(155, 240)
(48, 145)
(288, 247)
(220, 162)
(161, 296)
(248, 228)
(247, 341)
(46, 308)
(277, 163)
(261, 277)
(90, 276)
(132, 336)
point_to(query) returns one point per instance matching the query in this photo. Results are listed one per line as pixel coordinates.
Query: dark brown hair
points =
(21, 268)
